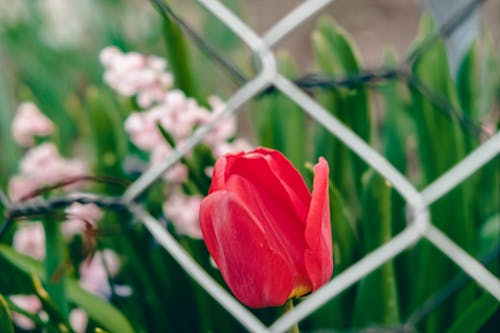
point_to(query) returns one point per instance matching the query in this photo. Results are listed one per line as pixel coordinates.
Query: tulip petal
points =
(258, 275)
(318, 256)
(253, 181)
(290, 178)
(272, 192)
(218, 177)
(283, 235)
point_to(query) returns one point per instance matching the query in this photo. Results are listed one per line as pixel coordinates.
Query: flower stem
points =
(287, 308)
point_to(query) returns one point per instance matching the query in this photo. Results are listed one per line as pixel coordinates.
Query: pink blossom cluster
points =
(78, 215)
(183, 210)
(32, 304)
(29, 239)
(134, 74)
(96, 271)
(28, 123)
(29, 303)
(179, 115)
(43, 165)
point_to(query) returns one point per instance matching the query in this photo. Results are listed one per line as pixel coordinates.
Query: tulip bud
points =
(269, 236)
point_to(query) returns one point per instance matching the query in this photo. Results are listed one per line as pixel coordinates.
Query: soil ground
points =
(373, 24)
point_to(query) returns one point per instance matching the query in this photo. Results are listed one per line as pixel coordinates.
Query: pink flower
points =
(136, 74)
(94, 274)
(177, 173)
(78, 216)
(29, 122)
(30, 240)
(78, 319)
(43, 165)
(20, 186)
(30, 303)
(143, 131)
(223, 129)
(177, 114)
(183, 210)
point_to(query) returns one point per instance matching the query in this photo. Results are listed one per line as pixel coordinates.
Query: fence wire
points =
(268, 78)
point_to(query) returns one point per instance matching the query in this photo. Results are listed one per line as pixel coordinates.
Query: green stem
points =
(287, 308)
(54, 261)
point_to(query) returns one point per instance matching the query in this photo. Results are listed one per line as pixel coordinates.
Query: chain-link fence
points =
(418, 203)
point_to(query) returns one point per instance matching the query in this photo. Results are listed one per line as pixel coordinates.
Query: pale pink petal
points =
(78, 319)
(28, 123)
(178, 173)
(78, 216)
(136, 74)
(20, 186)
(183, 210)
(43, 164)
(94, 273)
(30, 239)
(30, 303)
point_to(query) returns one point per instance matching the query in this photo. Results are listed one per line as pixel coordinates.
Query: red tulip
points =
(270, 238)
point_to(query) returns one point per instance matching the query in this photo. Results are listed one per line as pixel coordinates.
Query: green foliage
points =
(6, 324)
(336, 57)
(178, 56)
(54, 261)
(475, 315)
(280, 123)
(378, 288)
(434, 127)
(97, 308)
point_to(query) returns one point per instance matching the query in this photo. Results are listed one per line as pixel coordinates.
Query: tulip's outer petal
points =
(258, 275)
(256, 184)
(318, 256)
(221, 169)
(283, 236)
(218, 179)
(290, 178)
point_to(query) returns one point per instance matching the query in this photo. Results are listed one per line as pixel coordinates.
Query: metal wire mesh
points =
(418, 202)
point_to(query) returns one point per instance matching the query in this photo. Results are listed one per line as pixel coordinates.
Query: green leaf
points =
(336, 57)
(56, 317)
(441, 144)
(468, 82)
(281, 124)
(178, 56)
(10, 152)
(476, 315)
(106, 131)
(54, 260)
(376, 297)
(103, 313)
(489, 234)
(291, 119)
(6, 324)
(168, 138)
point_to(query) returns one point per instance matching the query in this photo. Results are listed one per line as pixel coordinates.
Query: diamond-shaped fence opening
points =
(418, 202)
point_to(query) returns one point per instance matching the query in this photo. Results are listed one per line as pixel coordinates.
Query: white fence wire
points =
(418, 202)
